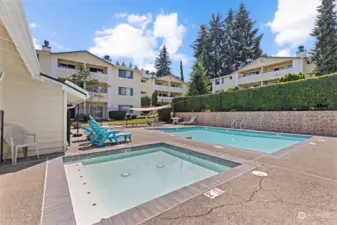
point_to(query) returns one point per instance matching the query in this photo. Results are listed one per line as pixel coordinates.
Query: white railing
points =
(265, 76)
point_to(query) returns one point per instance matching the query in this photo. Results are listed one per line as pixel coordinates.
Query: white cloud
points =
(132, 39)
(32, 25)
(59, 46)
(284, 52)
(293, 21)
(37, 44)
(140, 21)
(166, 26)
(120, 15)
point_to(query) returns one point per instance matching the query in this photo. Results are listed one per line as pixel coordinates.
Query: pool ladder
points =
(238, 124)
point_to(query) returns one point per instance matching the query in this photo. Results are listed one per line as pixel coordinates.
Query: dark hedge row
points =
(317, 93)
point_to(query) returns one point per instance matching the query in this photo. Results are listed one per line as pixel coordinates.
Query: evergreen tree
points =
(215, 55)
(324, 53)
(198, 80)
(228, 48)
(117, 63)
(163, 63)
(136, 67)
(154, 99)
(202, 42)
(181, 71)
(123, 64)
(130, 65)
(247, 43)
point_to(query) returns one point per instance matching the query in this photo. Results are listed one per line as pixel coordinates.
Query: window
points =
(219, 81)
(143, 81)
(218, 91)
(68, 66)
(125, 108)
(125, 74)
(96, 70)
(290, 66)
(125, 91)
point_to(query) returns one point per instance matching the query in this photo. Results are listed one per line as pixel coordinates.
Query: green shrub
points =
(291, 77)
(145, 101)
(164, 115)
(305, 94)
(134, 117)
(117, 115)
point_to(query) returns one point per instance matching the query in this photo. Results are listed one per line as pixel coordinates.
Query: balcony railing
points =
(264, 76)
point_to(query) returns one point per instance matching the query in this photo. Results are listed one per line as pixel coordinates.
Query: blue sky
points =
(133, 31)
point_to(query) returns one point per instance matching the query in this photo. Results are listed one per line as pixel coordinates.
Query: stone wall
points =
(301, 122)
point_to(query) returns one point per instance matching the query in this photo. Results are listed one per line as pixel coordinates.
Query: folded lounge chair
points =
(190, 121)
(102, 135)
(88, 130)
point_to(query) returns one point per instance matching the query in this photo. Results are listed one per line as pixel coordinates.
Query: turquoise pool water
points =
(125, 180)
(255, 141)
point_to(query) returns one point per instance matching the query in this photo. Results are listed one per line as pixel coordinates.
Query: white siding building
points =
(263, 71)
(119, 87)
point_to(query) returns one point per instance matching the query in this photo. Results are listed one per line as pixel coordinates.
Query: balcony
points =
(98, 97)
(162, 99)
(264, 76)
(65, 72)
(166, 88)
(101, 77)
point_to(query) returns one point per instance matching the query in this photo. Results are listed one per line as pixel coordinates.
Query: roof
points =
(81, 51)
(74, 87)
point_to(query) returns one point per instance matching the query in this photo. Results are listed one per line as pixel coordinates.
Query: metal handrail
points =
(242, 122)
(234, 122)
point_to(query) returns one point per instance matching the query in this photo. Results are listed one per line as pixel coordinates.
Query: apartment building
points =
(118, 87)
(265, 70)
(166, 87)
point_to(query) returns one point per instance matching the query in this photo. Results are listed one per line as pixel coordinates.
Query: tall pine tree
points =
(324, 53)
(198, 84)
(181, 71)
(247, 43)
(163, 63)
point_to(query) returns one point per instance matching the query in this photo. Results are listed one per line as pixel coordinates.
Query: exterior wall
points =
(134, 83)
(45, 62)
(302, 122)
(37, 107)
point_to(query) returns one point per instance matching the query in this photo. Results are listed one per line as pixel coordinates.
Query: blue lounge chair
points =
(101, 135)
(88, 130)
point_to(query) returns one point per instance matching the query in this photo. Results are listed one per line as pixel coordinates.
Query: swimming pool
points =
(256, 141)
(123, 180)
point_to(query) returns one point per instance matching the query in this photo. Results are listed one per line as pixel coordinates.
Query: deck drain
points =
(88, 192)
(217, 146)
(81, 176)
(188, 137)
(125, 174)
(160, 165)
(259, 173)
(213, 193)
(84, 183)
(94, 204)
(78, 170)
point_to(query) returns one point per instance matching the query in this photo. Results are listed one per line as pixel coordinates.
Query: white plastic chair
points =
(16, 138)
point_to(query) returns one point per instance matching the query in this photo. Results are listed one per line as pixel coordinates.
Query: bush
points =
(134, 117)
(164, 115)
(308, 94)
(83, 117)
(117, 115)
(291, 77)
(145, 101)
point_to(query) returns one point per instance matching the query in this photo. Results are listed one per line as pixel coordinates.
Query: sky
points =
(135, 30)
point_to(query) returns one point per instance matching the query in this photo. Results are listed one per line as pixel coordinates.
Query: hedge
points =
(117, 115)
(309, 94)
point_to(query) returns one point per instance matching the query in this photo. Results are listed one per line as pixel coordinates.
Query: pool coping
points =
(279, 153)
(57, 205)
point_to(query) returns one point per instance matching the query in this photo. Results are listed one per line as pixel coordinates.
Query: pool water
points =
(123, 181)
(255, 141)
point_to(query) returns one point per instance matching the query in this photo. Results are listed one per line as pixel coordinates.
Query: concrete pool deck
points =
(301, 187)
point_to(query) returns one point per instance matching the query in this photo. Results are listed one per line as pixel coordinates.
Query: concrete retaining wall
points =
(302, 122)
